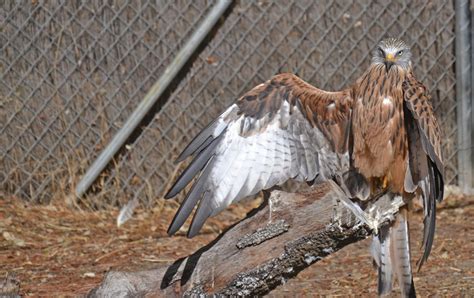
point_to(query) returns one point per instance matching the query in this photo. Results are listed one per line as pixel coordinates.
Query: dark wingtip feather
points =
(179, 219)
(185, 209)
(173, 228)
(428, 234)
(203, 139)
(198, 140)
(430, 218)
(196, 165)
(438, 182)
(188, 151)
(192, 197)
(202, 213)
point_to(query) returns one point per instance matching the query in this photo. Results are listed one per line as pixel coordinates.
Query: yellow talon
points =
(384, 183)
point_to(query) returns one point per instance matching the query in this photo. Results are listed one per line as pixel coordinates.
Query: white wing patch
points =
(246, 164)
(239, 155)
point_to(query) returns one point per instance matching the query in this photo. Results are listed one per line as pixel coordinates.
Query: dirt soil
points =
(55, 251)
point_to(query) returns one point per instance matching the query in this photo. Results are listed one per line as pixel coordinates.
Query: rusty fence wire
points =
(71, 72)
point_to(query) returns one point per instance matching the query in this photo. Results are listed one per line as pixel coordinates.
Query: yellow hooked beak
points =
(390, 57)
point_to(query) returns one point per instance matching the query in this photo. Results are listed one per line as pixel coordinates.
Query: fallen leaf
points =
(212, 60)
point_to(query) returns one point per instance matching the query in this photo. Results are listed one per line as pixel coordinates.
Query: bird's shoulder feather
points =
(328, 111)
(418, 101)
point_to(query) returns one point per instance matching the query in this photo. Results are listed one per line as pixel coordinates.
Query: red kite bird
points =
(377, 137)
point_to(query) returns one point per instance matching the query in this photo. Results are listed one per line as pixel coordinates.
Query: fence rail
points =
(72, 72)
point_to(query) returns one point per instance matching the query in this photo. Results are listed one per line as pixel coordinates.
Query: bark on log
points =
(271, 245)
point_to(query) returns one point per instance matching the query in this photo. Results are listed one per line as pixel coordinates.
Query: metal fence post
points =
(464, 95)
(152, 96)
(472, 94)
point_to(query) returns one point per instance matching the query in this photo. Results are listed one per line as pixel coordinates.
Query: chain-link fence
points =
(71, 72)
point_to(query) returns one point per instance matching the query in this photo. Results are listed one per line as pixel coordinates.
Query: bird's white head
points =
(392, 52)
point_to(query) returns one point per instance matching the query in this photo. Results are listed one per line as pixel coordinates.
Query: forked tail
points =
(391, 252)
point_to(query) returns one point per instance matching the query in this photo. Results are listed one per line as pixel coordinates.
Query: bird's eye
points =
(381, 52)
(399, 53)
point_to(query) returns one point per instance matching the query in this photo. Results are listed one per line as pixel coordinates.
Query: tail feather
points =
(401, 254)
(391, 252)
(381, 254)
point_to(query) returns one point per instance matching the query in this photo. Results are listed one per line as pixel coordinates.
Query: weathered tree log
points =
(9, 287)
(271, 245)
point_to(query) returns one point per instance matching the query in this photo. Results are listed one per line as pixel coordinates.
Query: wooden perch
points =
(271, 245)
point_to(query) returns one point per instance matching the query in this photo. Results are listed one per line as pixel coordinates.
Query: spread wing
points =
(282, 129)
(425, 168)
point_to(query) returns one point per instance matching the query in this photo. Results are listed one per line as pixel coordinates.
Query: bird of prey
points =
(377, 137)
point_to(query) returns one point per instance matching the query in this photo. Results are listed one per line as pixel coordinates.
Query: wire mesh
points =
(72, 72)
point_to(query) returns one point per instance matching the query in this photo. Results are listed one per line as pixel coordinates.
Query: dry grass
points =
(449, 271)
(52, 250)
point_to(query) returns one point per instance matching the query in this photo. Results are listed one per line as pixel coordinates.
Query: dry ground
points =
(54, 251)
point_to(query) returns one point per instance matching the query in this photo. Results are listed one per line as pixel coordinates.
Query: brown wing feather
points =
(425, 161)
(418, 101)
(281, 129)
(330, 112)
